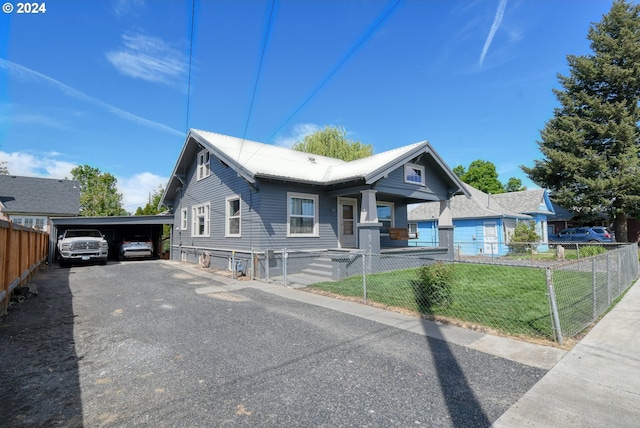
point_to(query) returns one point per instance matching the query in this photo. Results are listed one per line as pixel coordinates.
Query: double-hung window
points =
(414, 174)
(385, 215)
(233, 216)
(302, 214)
(184, 222)
(204, 165)
(200, 226)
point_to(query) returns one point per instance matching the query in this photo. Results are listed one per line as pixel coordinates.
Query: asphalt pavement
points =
(169, 344)
(595, 384)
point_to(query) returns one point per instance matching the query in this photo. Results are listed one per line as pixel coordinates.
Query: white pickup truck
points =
(82, 245)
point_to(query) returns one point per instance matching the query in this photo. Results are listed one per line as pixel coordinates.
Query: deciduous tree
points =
(98, 193)
(333, 142)
(152, 206)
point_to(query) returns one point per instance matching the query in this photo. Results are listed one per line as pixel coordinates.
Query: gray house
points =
(32, 201)
(232, 196)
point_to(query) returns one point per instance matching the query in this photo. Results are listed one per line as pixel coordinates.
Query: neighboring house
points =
(562, 219)
(483, 223)
(234, 196)
(31, 201)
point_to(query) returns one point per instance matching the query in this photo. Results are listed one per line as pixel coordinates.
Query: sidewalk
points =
(596, 384)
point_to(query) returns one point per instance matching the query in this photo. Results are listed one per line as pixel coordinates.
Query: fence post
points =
(594, 281)
(609, 280)
(554, 307)
(284, 266)
(364, 277)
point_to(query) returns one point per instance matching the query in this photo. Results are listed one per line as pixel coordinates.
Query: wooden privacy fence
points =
(22, 252)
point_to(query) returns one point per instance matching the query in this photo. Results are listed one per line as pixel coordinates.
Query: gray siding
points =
(263, 213)
(435, 187)
(273, 214)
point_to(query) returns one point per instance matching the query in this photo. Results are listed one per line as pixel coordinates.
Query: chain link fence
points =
(522, 296)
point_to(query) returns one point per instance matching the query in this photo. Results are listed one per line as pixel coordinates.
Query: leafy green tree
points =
(514, 185)
(98, 193)
(152, 206)
(333, 142)
(482, 175)
(3, 168)
(591, 145)
(459, 171)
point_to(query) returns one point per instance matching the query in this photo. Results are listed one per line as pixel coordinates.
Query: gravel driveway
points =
(134, 344)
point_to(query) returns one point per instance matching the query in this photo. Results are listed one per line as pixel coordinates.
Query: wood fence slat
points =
(22, 252)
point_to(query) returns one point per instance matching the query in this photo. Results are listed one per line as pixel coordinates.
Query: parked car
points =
(583, 234)
(136, 246)
(82, 245)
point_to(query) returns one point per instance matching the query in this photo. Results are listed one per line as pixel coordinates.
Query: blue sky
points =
(107, 83)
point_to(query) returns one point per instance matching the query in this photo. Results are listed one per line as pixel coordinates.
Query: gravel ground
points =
(133, 344)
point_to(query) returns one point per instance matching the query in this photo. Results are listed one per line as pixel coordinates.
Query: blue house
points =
(484, 223)
(234, 196)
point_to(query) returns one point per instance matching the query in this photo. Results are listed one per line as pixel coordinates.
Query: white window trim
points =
(207, 220)
(184, 219)
(229, 216)
(316, 215)
(414, 166)
(30, 221)
(204, 167)
(393, 215)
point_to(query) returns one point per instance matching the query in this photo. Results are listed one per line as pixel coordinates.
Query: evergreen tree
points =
(591, 144)
(332, 142)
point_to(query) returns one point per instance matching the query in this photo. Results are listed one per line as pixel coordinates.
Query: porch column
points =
(445, 228)
(368, 227)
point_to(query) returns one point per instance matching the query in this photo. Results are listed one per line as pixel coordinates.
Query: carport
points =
(113, 228)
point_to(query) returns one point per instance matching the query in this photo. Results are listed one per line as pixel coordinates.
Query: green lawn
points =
(506, 298)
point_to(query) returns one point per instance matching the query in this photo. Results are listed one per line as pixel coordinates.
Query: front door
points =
(490, 238)
(347, 209)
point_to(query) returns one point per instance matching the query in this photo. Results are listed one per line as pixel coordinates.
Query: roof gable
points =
(34, 195)
(534, 201)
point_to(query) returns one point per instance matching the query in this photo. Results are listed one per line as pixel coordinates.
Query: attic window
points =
(414, 174)
(204, 167)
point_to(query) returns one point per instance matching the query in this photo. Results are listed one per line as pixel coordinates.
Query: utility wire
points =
(193, 12)
(265, 40)
(386, 14)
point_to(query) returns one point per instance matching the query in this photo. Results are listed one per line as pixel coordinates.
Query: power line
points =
(266, 33)
(377, 23)
(193, 10)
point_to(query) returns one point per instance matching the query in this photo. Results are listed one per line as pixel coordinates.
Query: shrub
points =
(591, 250)
(434, 285)
(523, 238)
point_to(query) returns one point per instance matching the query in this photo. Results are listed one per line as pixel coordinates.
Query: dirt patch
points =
(38, 362)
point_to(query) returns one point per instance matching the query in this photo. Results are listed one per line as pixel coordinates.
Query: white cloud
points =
(136, 189)
(299, 131)
(149, 58)
(37, 165)
(497, 20)
(23, 73)
(125, 8)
